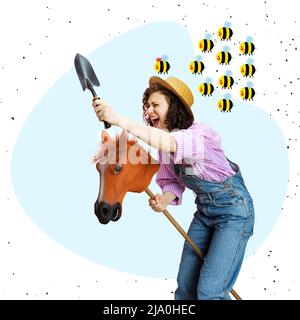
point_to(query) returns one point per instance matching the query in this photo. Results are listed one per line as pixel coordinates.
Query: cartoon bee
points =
(226, 81)
(224, 57)
(247, 48)
(206, 88)
(225, 104)
(248, 69)
(247, 93)
(225, 33)
(196, 66)
(162, 65)
(206, 45)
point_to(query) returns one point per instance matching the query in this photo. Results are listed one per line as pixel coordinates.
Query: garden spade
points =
(87, 77)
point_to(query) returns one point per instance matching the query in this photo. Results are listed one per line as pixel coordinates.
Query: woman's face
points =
(157, 110)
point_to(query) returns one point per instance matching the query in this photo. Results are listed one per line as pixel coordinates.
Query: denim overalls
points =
(221, 228)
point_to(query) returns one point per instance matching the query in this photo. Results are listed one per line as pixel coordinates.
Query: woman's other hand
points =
(158, 203)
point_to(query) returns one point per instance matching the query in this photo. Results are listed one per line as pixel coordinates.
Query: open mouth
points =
(155, 122)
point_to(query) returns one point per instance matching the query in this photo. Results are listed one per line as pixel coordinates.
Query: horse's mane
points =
(109, 151)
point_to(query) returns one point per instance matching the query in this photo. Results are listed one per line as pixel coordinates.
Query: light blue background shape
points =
(57, 185)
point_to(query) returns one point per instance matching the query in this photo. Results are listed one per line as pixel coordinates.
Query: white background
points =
(38, 43)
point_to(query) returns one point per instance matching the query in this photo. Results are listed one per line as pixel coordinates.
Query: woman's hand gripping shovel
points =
(87, 77)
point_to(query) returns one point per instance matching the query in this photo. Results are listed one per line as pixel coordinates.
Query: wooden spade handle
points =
(187, 238)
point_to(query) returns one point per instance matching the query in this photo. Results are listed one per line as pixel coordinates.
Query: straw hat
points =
(182, 91)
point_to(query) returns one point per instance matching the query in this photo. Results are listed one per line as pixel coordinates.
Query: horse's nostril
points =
(103, 212)
(117, 212)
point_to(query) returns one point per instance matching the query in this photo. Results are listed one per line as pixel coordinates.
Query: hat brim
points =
(166, 85)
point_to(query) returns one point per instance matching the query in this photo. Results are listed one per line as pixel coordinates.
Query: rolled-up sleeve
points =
(190, 145)
(168, 182)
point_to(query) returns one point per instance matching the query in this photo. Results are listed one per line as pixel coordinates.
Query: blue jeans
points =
(221, 228)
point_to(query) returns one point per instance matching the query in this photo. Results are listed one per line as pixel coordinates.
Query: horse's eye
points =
(117, 169)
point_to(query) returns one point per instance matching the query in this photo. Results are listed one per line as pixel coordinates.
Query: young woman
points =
(191, 156)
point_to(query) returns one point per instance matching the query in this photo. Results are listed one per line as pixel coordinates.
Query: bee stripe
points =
(228, 57)
(246, 47)
(222, 56)
(227, 33)
(205, 88)
(196, 66)
(230, 33)
(246, 93)
(167, 66)
(247, 69)
(161, 66)
(201, 66)
(205, 42)
(225, 82)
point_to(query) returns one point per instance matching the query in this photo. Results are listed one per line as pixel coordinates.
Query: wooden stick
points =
(187, 238)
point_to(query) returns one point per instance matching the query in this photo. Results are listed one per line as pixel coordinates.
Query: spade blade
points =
(87, 77)
(85, 72)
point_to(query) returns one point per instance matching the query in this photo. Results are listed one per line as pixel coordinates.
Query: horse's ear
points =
(105, 137)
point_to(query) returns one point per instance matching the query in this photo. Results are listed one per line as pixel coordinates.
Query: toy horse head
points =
(123, 166)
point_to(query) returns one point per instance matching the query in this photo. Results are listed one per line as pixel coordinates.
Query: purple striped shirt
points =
(199, 146)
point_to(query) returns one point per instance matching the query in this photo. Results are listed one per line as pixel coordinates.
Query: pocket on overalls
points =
(226, 198)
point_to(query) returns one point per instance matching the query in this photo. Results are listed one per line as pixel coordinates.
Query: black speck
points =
(287, 147)
(12, 118)
(23, 57)
(70, 21)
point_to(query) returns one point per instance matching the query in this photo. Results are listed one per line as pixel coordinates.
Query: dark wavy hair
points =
(177, 116)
